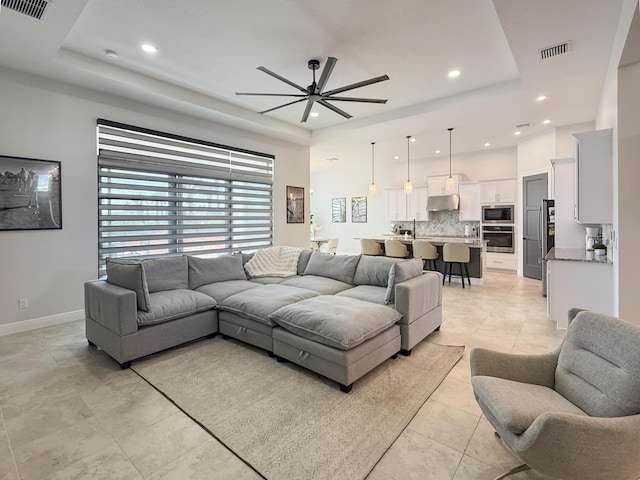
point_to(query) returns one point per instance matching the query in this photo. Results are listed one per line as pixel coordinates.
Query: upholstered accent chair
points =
(573, 413)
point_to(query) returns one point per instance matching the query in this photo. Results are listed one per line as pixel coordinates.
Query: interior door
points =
(534, 189)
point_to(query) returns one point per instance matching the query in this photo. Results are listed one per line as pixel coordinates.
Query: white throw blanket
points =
(274, 262)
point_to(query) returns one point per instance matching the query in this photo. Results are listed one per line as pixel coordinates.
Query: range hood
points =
(437, 203)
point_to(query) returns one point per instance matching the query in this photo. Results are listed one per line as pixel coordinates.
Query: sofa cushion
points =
(267, 280)
(278, 261)
(173, 304)
(203, 271)
(338, 267)
(515, 404)
(166, 273)
(321, 285)
(368, 293)
(303, 260)
(221, 290)
(373, 271)
(129, 274)
(258, 303)
(400, 272)
(336, 321)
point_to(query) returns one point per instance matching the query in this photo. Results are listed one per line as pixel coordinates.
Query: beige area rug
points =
(289, 423)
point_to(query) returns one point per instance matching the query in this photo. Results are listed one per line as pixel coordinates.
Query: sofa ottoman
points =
(245, 315)
(340, 338)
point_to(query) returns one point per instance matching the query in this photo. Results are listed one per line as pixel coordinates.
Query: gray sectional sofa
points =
(337, 315)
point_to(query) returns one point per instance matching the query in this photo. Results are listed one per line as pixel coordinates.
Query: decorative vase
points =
(600, 251)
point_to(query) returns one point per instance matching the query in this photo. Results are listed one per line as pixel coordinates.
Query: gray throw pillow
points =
(129, 274)
(166, 273)
(303, 260)
(401, 272)
(373, 271)
(338, 267)
(203, 271)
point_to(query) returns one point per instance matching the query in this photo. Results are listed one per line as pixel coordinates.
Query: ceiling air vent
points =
(555, 50)
(31, 8)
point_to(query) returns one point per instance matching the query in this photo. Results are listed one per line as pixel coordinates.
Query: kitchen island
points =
(477, 252)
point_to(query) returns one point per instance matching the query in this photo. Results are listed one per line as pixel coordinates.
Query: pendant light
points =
(450, 182)
(373, 189)
(408, 186)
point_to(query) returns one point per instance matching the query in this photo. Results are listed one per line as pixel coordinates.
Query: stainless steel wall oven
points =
(499, 238)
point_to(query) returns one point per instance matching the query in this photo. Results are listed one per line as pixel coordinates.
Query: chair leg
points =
(466, 269)
(461, 274)
(520, 468)
(444, 273)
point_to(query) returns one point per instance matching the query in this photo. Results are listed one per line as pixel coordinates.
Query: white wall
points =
(53, 121)
(351, 176)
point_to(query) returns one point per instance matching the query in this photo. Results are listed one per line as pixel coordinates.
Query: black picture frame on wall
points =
(338, 210)
(30, 194)
(295, 204)
(359, 209)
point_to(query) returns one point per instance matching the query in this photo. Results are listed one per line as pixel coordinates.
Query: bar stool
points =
(370, 247)
(456, 253)
(395, 248)
(428, 252)
(330, 247)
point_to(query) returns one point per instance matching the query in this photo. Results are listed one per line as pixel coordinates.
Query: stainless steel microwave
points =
(498, 214)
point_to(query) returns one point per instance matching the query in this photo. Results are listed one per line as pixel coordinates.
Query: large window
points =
(164, 194)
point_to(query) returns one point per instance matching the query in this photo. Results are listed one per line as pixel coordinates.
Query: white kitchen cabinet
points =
(402, 206)
(499, 191)
(396, 204)
(417, 204)
(593, 152)
(438, 185)
(501, 261)
(469, 202)
(585, 285)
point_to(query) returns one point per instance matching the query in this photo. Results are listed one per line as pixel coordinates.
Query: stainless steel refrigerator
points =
(547, 236)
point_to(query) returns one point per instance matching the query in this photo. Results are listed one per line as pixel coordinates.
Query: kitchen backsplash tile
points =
(445, 223)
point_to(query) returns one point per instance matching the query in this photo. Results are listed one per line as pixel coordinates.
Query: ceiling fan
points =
(314, 92)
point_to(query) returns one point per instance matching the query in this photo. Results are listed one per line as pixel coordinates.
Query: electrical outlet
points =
(22, 303)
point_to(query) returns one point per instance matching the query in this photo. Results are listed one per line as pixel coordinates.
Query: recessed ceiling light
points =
(412, 139)
(547, 121)
(541, 98)
(111, 54)
(453, 74)
(487, 144)
(314, 114)
(396, 157)
(437, 151)
(147, 47)
(517, 132)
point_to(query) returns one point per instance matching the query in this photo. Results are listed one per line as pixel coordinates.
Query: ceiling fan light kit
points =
(315, 93)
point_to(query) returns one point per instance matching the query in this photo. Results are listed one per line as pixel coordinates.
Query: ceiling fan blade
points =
(272, 94)
(282, 79)
(307, 110)
(381, 78)
(335, 109)
(285, 105)
(326, 72)
(355, 99)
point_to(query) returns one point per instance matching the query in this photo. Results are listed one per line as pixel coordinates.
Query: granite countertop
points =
(473, 242)
(576, 255)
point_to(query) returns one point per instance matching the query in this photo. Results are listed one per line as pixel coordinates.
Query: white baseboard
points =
(35, 323)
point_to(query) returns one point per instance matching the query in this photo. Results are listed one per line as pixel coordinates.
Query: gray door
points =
(534, 189)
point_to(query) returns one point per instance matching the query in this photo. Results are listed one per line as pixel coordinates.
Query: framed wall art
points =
(338, 210)
(30, 194)
(295, 204)
(359, 209)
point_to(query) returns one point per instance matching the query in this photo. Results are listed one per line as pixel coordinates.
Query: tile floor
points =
(67, 411)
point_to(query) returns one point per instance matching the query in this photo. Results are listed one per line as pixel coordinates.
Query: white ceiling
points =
(209, 49)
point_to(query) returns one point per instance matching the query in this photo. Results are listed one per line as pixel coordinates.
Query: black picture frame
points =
(359, 209)
(30, 194)
(338, 210)
(295, 204)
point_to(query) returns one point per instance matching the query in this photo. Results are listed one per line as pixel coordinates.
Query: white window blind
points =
(162, 194)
